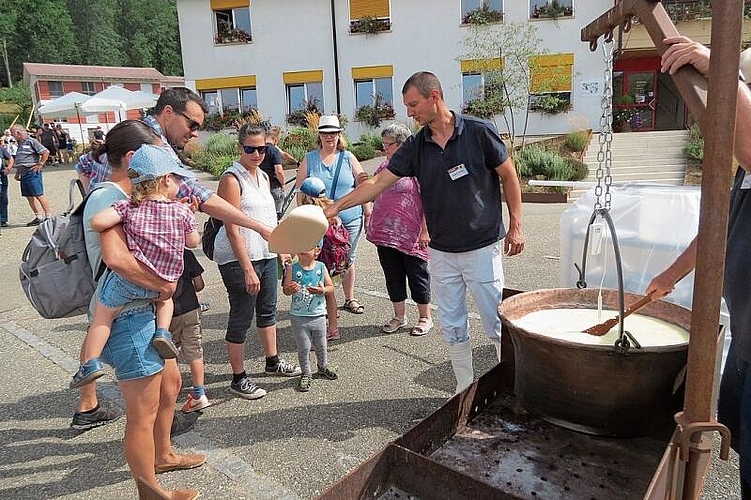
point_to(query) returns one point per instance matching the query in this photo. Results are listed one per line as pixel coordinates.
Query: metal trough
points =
(482, 444)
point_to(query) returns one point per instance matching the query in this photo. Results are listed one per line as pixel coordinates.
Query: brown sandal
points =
(353, 306)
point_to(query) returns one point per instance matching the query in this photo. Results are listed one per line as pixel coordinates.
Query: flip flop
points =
(422, 327)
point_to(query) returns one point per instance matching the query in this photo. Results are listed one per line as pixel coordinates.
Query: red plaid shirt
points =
(155, 232)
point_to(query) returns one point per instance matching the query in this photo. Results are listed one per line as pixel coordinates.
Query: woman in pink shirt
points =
(397, 228)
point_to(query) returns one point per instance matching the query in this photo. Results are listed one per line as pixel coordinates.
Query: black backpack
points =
(211, 228)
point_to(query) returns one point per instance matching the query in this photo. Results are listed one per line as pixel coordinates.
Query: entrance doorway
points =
(645, 99)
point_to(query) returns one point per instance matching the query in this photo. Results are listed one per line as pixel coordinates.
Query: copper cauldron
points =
(592, 388)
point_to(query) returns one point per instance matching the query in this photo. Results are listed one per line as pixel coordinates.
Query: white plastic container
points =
(654, 224)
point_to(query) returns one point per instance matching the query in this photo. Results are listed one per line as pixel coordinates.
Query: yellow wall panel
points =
(480, 65)
(229, 4)
(366, 72)
(226, 83)
(292, 77)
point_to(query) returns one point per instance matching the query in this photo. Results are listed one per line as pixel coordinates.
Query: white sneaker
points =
(193, 404)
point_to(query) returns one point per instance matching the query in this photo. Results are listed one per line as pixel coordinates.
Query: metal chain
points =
(604, 155)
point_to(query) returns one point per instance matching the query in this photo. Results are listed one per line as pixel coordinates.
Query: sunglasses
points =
(252, 149)
(192, 124)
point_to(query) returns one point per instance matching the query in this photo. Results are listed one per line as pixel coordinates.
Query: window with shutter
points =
(369, 16)
(551, 79)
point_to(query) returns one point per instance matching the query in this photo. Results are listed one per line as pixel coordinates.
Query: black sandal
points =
(353, 306)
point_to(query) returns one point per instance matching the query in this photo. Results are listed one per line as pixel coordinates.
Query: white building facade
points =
(275, 54)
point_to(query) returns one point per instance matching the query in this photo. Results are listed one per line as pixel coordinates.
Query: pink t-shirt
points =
(397, 217)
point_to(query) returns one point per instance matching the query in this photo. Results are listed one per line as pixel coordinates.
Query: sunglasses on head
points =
(252, 149)
(192, 124)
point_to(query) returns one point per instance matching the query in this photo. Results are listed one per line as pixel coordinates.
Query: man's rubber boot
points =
(461, 362)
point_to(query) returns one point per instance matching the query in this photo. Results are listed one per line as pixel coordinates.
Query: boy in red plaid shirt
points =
(158, 228)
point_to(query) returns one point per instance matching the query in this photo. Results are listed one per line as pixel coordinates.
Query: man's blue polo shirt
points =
(463, 214)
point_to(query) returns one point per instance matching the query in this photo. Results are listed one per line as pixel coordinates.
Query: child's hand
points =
(291, 287)
(318, 290)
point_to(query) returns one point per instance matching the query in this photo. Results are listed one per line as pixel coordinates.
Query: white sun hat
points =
(329, 123)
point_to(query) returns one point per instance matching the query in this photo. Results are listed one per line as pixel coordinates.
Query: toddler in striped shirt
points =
(157, 227)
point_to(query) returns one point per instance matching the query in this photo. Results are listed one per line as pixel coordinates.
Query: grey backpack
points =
(55, 272)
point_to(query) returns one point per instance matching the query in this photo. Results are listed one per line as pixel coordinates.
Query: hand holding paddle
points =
(604, 327)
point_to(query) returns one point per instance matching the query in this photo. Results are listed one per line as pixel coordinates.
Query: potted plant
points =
(227, 34)
(369, 25)
(622, 118)
(483, 15)
(552, 10)
(375, 113)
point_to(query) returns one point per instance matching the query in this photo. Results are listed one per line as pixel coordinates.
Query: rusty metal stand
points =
(710, 104)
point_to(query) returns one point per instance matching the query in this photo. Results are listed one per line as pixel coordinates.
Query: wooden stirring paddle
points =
(604, 327)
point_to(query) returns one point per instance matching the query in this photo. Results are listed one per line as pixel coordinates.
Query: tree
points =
(96, 32)
(8, 29)
(43, 32)
(20, 96)
(506, 85)
(153, 34)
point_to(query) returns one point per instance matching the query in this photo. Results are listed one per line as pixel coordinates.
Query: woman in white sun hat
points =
(339, 170)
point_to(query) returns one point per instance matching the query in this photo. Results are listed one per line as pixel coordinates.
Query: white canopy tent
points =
(126, 99)
(67, 105)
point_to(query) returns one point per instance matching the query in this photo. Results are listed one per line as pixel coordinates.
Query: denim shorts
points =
(31, 184)
(243, 306)
(129, 349)
(117, 291)
(354, 227)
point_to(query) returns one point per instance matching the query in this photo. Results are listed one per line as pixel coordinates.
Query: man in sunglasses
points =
(177, 116)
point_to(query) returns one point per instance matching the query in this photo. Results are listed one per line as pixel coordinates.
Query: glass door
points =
(634, 101)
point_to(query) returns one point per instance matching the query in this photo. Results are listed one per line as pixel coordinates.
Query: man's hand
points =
(331, 211)
(37, 167)
(514, 241)
(683, 51)
(661, 285)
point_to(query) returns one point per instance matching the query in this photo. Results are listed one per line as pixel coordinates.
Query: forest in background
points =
(141, 33)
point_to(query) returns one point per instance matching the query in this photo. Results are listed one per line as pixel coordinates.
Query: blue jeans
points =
(129, 349)
(117, 291)
(3, 197)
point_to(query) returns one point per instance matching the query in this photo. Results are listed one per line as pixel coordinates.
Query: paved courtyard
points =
(286, 445)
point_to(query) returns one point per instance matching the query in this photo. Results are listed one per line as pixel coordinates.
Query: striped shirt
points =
(155, 231)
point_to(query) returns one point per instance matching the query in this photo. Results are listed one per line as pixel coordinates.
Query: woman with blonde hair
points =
(340, 171)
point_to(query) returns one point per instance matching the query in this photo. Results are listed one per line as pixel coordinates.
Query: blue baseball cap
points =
(313, 187)
(151, 161)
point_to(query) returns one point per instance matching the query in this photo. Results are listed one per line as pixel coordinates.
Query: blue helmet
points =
(313, 187)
